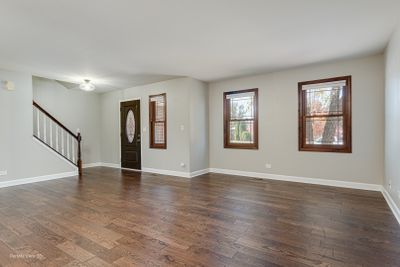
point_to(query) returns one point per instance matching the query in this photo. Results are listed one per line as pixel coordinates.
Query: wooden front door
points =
(130, 135)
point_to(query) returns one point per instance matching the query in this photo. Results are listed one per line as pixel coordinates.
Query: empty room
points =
(200, 133)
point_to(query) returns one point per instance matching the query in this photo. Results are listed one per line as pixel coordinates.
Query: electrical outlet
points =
(3, 173)
(390, 184)
(398, 193)
(268, 165)
(182, 128)
(183, 165)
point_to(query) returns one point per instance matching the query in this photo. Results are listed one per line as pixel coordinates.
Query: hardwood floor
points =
(131, 219)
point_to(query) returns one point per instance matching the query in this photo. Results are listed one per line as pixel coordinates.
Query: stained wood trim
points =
(55, 120)
(125, 106)
(227, 143)
(152, 122)
(324, 116)
(347, 118)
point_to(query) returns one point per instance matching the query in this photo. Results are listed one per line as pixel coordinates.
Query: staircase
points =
(52, 133)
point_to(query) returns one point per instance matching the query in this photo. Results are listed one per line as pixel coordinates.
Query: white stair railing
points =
(64, 142)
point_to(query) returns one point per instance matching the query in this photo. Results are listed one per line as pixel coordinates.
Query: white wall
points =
(199, 142)
(392, 118)
(20, 154)
(278, 124)
(199, 110)
(76, 109)
(178, 114)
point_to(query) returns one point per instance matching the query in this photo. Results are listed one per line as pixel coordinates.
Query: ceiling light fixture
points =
(87, 86)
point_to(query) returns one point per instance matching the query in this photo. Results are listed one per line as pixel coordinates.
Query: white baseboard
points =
(115, 166)
(110, 165)
(91, 165)
(364, 186)
(153, 170)
(133, 170)
(167, 172)
(392, 204)
(38, 179)
(199, 172)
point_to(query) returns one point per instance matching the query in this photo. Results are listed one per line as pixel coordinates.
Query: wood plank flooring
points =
(114, 218)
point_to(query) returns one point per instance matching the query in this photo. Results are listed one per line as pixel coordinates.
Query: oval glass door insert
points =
(130, 126)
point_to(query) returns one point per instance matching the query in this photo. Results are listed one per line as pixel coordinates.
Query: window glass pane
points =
(241, 132)
(159, 133)
(324, 131)
(130, 126)
(324, 100)
(242, 107)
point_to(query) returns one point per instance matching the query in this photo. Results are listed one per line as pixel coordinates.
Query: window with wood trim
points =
(325, 115)
(241, 119)
(158, 121)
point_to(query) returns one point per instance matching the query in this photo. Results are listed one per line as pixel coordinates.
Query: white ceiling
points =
(123, 43)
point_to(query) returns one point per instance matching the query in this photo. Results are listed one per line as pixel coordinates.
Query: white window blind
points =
(240, 95)
(324, 85)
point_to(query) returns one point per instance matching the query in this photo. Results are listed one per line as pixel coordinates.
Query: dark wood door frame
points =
(120, 134)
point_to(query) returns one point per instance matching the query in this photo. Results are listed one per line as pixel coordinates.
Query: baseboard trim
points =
(317, 181)
(373, 187)
(132, 170)
(392, 204)
(152, 170)
(91, 165)
(199, 172)
(167, 172)
(38, 179)
(110, 165)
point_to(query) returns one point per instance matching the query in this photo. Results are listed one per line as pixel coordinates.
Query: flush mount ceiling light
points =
(87, 86)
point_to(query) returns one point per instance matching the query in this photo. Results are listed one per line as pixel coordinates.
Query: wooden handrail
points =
(77, 137)
(55, 120)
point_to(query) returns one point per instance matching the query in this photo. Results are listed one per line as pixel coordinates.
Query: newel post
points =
(79, 163)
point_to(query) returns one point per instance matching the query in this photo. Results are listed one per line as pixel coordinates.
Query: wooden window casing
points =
(155, 120)
(342, 113)
(253, 120)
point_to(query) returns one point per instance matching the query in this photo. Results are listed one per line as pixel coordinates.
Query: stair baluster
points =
(63, 145)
